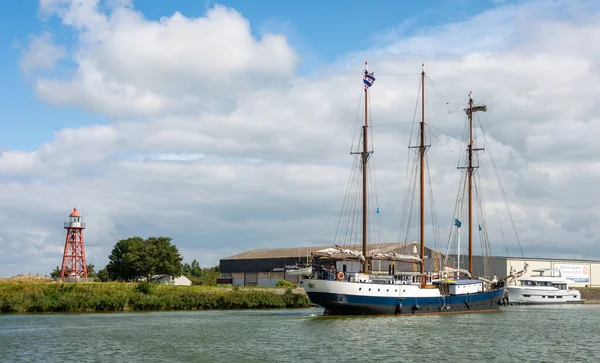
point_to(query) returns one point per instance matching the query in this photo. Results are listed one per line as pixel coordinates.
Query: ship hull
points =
(522, 295)
(336, 301)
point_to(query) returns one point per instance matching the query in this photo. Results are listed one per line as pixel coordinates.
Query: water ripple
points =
(523, 334)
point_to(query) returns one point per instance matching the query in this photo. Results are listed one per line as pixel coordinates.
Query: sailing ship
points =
(402, 292)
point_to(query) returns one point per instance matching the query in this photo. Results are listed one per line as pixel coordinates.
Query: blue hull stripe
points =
(356, 304)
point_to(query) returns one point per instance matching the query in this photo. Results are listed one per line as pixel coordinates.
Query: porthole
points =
(360, 288)
(378, 290)
(369, 289)
(396, 290)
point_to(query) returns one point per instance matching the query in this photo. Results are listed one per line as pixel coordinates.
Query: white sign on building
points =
(577, 272)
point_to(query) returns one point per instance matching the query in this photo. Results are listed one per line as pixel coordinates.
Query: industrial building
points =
(267, 266)
(582, 272)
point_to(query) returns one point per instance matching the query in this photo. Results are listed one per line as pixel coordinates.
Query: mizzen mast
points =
(470, 170)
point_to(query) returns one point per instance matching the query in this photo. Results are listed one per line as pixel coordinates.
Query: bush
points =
(144, 287)
(196, 280)
(285, 283)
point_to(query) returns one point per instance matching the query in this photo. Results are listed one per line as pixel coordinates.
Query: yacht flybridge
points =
(549, 287)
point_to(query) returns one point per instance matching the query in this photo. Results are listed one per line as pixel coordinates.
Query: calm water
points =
(537, 334)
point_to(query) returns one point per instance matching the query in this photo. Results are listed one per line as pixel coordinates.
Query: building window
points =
(344, 268)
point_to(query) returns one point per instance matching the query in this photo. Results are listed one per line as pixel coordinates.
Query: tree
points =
(136, 257)
(210, 275)
(193, 270)
(55, 272)
(90, 270)
(122, 258)
(103, 275)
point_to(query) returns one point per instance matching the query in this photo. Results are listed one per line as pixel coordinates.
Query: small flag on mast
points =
(457, 222)
(480, 227)
(368, 80)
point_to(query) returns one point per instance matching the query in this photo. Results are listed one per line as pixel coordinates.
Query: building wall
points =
(264, 279)
(482, 267)
(595, 274)
(585, 273)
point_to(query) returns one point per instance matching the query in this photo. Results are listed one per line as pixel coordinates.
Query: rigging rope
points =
(501, 188)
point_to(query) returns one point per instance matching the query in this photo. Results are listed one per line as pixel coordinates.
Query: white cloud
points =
(189, 59)
(41, 53)
(215, 141)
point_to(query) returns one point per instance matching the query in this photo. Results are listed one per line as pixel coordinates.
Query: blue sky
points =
(320, 31)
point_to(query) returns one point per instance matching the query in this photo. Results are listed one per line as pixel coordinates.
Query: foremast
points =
(422, 151)
(471, 167)
(365, 154)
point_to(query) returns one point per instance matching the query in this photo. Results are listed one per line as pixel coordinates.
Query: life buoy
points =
(340, 275)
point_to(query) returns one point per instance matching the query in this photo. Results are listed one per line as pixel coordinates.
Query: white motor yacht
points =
(549, 287)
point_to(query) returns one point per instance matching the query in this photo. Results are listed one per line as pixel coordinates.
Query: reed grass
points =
(88, 297)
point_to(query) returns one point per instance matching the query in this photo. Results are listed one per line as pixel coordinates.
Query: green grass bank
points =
(21, 297)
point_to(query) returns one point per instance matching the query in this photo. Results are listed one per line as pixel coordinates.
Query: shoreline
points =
(52, 297)
(20, 297)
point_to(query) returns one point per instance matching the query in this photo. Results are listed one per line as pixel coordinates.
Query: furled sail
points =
(340, 252)
(393, 256)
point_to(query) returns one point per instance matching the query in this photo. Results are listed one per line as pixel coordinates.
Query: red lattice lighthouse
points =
(73, 263)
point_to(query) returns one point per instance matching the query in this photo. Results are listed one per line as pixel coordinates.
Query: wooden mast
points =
(422, 177)
(470, 170)
(470, 186)
(365, 157)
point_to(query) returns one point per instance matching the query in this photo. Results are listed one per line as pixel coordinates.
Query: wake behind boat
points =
(440, 290)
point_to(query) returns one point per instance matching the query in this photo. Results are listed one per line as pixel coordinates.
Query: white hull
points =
(369, 289)
(343, 297)
(542, 295)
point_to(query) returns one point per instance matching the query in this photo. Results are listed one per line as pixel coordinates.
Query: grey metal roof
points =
(296, 252)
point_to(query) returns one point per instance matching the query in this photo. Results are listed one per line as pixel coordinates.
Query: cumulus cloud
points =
(41, 53)
(129, 65)
(214, 140)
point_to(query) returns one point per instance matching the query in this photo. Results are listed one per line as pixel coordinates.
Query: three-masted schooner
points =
(422, 292)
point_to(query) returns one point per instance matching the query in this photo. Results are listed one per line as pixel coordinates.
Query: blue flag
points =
(377, 209)
(457, 222)
(368, 80)
(480, 227)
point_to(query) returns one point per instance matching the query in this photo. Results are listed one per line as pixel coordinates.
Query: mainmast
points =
(422, 150)
(470, 170)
